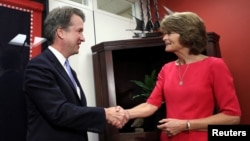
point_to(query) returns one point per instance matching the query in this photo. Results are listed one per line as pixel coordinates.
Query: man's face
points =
(74, 35)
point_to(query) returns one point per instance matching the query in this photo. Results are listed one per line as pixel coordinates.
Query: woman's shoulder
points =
(214, 60)
(216, 63)
(167, 67)
(169, 64)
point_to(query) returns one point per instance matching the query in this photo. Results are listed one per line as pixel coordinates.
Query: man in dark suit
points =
(57, 107)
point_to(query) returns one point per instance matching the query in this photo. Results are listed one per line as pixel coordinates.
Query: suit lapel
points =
(83, 98)
(60, 69)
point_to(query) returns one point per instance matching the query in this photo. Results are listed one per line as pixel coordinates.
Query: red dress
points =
(205, 83)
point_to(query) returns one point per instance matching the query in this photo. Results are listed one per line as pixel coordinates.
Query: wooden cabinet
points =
(116, 63)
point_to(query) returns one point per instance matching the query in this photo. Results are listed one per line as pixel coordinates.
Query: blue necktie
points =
(70, 73)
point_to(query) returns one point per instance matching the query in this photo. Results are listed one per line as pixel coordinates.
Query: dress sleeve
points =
(223, 88)
(156, 97)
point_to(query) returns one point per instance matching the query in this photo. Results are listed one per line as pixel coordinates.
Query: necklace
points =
(181, 77)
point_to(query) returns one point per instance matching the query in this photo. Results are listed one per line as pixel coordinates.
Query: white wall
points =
(111, 27)
(99, 26)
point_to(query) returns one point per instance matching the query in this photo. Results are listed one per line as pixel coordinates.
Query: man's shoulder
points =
(46, 54)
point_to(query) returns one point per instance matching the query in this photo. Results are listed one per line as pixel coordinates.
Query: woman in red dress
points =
(190, 86)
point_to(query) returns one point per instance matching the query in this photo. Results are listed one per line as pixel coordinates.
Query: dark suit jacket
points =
(55, 112)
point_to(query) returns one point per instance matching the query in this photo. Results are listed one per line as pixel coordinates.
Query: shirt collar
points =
(58, 55)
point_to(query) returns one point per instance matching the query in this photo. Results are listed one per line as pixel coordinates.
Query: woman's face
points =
(171, 40)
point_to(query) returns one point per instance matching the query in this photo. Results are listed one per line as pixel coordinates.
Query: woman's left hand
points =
(172, 126)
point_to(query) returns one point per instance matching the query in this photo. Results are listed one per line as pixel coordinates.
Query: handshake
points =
(117, 116)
